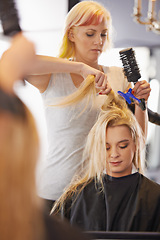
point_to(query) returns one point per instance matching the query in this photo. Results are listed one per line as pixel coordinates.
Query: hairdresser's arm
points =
(45, 65)
(142, 90)
(142, 118)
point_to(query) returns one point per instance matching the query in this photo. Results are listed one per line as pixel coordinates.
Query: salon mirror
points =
(42, 22)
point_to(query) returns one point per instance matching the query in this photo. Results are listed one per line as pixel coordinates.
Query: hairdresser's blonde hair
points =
(114, 113)
(20, 216)
(83, 14)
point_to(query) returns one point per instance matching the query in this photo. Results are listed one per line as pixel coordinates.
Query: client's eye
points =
(123, 146)
(107, 148)
(90, 34)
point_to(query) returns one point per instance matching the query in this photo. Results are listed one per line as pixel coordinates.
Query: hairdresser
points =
(87, 33)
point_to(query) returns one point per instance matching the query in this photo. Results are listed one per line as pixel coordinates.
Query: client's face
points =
(120, 150)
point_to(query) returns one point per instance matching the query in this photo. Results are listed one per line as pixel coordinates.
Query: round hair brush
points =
(131, 69)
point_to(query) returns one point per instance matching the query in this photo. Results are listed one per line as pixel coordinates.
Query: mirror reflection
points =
(95, 39)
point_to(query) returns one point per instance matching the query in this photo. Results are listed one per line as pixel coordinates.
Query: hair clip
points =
(129, 97)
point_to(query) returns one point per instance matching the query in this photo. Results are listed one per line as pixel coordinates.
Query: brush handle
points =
(142, 104)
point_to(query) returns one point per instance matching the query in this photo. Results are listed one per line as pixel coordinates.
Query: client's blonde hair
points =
(114, 113)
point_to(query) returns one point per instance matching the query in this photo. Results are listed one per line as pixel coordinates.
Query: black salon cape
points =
(130, 203)
(58, 230)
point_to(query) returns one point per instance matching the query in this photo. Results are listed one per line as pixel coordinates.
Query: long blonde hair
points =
(83, 14)
(85, 91)
(20, 215)
(113, 113)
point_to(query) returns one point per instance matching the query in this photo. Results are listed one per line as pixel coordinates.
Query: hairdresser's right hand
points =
(101, 82)
(16, 62)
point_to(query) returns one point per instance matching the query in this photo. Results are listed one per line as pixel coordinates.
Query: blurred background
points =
(42, 22)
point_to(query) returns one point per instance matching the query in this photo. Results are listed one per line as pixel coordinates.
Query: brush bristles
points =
(130, 67)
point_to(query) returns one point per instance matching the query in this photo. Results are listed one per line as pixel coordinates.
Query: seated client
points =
(111, 193)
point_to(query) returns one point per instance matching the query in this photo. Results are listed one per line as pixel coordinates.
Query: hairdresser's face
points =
(89, 42)
(120, 151)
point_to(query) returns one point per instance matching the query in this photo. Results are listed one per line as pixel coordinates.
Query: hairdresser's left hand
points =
(142, 90)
